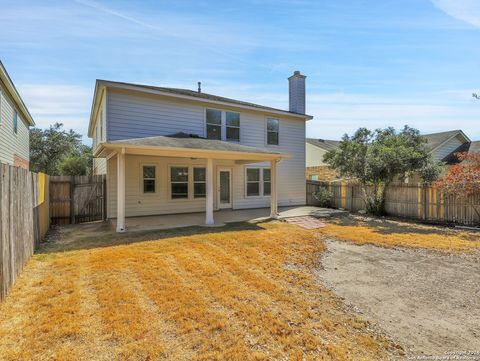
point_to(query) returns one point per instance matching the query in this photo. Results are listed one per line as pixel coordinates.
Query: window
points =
(214, 124)
(233, 126)
(199, 183)
(266, 182)
(15, 125)
(179, 182)
(272, 131)
(148, 179)
(314, 177)
(258, 182)
(253, 182)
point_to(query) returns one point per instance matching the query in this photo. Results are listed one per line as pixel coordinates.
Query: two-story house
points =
(15, 121)
(169, 150)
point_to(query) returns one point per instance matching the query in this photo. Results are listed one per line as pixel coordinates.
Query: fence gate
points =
(77, 199)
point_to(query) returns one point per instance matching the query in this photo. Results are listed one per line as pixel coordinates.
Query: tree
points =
(377, 158)
(49, 148)
(463, 179)
(476, 96)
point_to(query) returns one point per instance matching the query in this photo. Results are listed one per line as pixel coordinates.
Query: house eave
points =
(104, 150)
(5, 79)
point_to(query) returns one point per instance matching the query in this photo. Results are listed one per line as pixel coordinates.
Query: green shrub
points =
(324, 197)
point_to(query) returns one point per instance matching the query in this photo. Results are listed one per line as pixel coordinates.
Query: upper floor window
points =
(15, 122)
(214, 124)
(148, 179)
(272, 131)
(233, 126)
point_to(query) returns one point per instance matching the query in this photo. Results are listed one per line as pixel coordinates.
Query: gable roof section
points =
(188, 95)
(436, 140)
(22, 108)
(324, 143)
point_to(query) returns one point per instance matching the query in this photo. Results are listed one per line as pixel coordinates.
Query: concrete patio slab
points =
(222, 217)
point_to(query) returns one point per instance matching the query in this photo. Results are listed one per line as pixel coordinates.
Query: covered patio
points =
(222, 217)
(194, 148)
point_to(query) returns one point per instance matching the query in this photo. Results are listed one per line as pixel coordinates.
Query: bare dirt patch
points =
(426, 301)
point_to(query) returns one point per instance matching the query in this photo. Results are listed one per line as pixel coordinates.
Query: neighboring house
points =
(442, 146)
(15, 121)
(169, 150)
(317, 169)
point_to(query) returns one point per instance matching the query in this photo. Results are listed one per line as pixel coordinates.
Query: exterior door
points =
(224, 182)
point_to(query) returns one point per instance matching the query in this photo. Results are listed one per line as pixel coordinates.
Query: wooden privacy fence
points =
(24, 220)
(404, 200)
(77, 199)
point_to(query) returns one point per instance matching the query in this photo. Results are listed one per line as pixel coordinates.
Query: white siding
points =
(447, 148)
(137, 116)
(133, 115)
(99, 166)
(314, 156)
(12, 143)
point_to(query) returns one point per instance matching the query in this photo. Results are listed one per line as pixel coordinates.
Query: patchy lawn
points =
(242, 292)
(389, 233)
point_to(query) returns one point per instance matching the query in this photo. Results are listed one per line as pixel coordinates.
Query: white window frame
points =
(260, 188)
(142, 179)
(227, 126)
(221, 123)
(194, 181)
(189, 182)
(266, 132)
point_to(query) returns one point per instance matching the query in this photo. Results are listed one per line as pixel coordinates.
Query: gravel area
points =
(426, 301)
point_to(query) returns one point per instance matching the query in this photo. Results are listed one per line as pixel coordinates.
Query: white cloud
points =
(464, 10)
(51, 103)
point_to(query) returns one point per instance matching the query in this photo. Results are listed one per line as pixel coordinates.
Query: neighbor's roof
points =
(187, 141)
(324, 143)
(8, 83)
(474, 147)
(435, 140)
(189, 94)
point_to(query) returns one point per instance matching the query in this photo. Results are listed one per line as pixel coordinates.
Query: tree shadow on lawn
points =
(389, 226)
(100, 234)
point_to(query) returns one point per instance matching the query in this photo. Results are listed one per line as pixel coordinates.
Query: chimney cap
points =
(297, 74)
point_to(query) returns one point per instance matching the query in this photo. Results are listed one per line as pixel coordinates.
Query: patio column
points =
(209, 198)
(121, 191)
(273, 189)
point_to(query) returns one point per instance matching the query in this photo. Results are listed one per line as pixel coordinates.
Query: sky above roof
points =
(372, 63)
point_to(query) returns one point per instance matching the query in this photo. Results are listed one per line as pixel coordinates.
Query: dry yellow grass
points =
(243, 294)
(393, 234)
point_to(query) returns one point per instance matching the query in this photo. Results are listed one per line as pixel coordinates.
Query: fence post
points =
(425, 205)
(72, 209)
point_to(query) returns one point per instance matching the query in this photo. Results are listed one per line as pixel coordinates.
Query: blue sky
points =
(372, 63)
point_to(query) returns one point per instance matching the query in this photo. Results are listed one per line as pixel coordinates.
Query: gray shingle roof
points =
(192, 142)
(324, 143)
(201, 95)
(435, 139)
(474, 147)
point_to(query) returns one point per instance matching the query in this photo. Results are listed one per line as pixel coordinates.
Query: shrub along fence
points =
(24, 220)
(416, 202)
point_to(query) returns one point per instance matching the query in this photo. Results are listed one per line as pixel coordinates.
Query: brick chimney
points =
(296, 92)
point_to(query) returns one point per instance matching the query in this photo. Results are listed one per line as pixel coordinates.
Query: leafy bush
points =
(324, 197)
